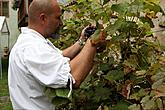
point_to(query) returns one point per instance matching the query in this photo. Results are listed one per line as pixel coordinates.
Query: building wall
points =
(13, 25)
(13, 29)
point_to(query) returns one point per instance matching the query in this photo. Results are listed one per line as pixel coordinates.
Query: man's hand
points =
(87, 32)
(98, 37)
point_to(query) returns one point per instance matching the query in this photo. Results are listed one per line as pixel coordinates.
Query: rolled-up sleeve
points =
(48, 66)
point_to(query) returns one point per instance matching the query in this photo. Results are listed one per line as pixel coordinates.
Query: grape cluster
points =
(89, 31)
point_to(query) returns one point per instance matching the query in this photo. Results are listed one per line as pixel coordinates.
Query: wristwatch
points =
(81, 42)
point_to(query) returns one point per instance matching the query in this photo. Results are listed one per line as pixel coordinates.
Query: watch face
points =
(81, 42)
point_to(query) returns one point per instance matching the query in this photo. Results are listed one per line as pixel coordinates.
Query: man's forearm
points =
(82, 63)
(72, 51)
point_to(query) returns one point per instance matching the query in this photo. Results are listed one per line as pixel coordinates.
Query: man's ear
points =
(43, 18)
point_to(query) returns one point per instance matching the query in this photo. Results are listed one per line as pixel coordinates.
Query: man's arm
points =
(72, 51)
(82, 63)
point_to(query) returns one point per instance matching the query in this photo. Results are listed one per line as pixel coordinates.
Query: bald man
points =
(35, 63)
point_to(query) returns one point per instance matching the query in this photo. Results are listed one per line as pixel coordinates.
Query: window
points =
(4, 8)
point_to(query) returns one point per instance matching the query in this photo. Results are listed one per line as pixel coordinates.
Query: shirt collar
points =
(26, 30)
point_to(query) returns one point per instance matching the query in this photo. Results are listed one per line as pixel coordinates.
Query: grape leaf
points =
(120, 106)
(147, 20)
(160, 90)
(157, 84)
(159, 104)
(104, 67)
(148, 103)
(105, 2)
(151, 6)
(158, 76)
(102, 93)
(114, 28)
(162, 24)
(153, 1)
(120, 8)
(58, 96)
(114, 75)
(134, 107)
(98, 36)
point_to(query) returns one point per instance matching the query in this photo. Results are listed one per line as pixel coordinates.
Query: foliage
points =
(15, 4)
(5, 103)
(130, 73)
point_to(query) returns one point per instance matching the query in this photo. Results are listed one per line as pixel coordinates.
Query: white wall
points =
(12, 24)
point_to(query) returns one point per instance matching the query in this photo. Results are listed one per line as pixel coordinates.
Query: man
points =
(35, 63)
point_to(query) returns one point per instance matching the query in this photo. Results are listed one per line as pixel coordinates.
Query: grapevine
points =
(129, 73)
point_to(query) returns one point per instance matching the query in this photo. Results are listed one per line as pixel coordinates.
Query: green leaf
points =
(120, 106)
(102, 93)
(120, 8)
(114, 28)
(105, 2)
(153, 1)
(158, 76)
(135, 8)
(59, 101)
(104, 67)
(148, 103)
(131, 62)
(152, 6)
(157, 84)
(128, 26)
(159, 103)
(95, 37)
(134, 107)
(147, 20)
(58, 96)
(114, 75)
(138, 95)
(162, 24)
(62, 92)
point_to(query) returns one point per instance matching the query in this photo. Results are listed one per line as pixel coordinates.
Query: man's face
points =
(54, 23)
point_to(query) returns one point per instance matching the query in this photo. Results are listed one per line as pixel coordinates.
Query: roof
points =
(3, 25)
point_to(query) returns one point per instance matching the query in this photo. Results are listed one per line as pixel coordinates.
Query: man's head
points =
(44, 17)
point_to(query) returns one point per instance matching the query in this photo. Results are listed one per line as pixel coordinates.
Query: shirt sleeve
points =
(48, 66)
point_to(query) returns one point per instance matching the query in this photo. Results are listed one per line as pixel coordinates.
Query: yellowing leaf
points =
(162, 60)
(160, 90)
(159, 104)
(97, 37)
(157, 84)
(139, 73)
(105, 107)
(153, 1)
(134, 107)
(151, 14)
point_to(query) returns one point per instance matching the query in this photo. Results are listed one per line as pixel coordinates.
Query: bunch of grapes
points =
(89, 31)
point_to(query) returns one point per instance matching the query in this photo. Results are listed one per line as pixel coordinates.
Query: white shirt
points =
(33, 64)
